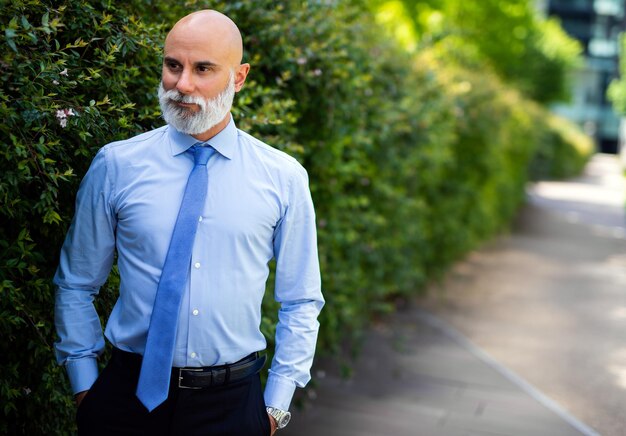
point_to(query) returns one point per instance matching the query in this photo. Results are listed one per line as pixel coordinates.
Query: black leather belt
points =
(196, 378)
(199, 378)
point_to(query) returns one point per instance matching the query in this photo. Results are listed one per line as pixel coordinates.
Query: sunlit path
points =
(597, 198)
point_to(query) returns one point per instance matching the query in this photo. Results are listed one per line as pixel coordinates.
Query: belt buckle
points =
(180, 378)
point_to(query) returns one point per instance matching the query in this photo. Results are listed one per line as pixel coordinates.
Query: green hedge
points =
(411, 162)
(71, 75)
(564, 150)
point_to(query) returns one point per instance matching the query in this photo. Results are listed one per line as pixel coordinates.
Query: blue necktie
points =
(154, 379)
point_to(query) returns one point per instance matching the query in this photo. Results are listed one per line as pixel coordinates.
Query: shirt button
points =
(195, 312)
(193, 355)
(200, 219)
(196, 265)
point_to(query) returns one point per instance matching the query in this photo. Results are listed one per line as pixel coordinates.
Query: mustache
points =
(175, 96)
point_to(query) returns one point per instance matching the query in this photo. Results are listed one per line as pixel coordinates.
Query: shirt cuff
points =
(82, 373)
(279, 391)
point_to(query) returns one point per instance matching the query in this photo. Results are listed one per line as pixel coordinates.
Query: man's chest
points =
(239, 209)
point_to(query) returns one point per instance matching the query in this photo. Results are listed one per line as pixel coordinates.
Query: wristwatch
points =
(282, 417)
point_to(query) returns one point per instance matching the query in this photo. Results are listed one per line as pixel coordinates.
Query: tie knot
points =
(201, 154)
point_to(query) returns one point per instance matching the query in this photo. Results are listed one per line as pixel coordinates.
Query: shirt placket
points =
(195, 313)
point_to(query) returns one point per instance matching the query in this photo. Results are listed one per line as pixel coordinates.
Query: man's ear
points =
(241, 73)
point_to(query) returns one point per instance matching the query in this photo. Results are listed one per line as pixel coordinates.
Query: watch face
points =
(284, 420)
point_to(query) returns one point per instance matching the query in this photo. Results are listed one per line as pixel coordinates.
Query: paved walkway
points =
(422, 378)
(419, 376)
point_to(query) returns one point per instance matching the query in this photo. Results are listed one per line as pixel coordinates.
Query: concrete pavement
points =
(540, 301)
(417, 376)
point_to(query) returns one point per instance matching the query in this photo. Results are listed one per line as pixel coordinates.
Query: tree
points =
(617, 88)
(507, 36)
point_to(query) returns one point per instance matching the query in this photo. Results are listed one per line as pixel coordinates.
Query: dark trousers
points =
(111, 407)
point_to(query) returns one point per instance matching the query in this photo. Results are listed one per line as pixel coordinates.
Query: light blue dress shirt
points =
(258, 207)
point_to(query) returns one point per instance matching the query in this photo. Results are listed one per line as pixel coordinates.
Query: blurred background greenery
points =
(419, 122)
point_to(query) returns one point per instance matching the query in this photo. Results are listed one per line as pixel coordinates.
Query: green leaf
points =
(25, 24)
(12, 44)
(13, 23)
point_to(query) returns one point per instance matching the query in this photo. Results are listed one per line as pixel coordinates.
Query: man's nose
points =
(185, 83)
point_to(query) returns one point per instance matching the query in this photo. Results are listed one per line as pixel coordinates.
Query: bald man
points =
(193, 211)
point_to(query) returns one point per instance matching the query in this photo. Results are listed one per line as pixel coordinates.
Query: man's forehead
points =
(211, 34)
(196, 48)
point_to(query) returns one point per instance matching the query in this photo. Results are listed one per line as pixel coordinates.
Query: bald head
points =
(211, 28)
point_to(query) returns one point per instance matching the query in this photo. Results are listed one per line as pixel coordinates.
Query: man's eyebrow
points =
(196, 64)
(169, 59)
(205, 63)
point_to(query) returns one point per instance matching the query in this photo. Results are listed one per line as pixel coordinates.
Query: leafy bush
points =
(411, 161)
(564, 149)
(74, 76)
(483, 147)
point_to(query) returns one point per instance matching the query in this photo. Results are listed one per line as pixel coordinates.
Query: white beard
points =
(212, 110)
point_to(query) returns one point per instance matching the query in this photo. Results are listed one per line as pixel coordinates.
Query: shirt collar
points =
(224, 142)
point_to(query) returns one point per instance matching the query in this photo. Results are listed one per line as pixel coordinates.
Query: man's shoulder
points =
(268, 153)
(138, 140)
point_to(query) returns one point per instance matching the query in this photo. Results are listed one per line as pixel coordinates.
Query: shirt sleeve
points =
(85, 262)
(298, 290)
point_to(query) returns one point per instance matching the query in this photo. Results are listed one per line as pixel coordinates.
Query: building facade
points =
(597, 25)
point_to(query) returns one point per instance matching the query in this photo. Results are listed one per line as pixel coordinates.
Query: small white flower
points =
(62, 115)
(317, 72)
(63, 73)
(301, 60)
(55, 82)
